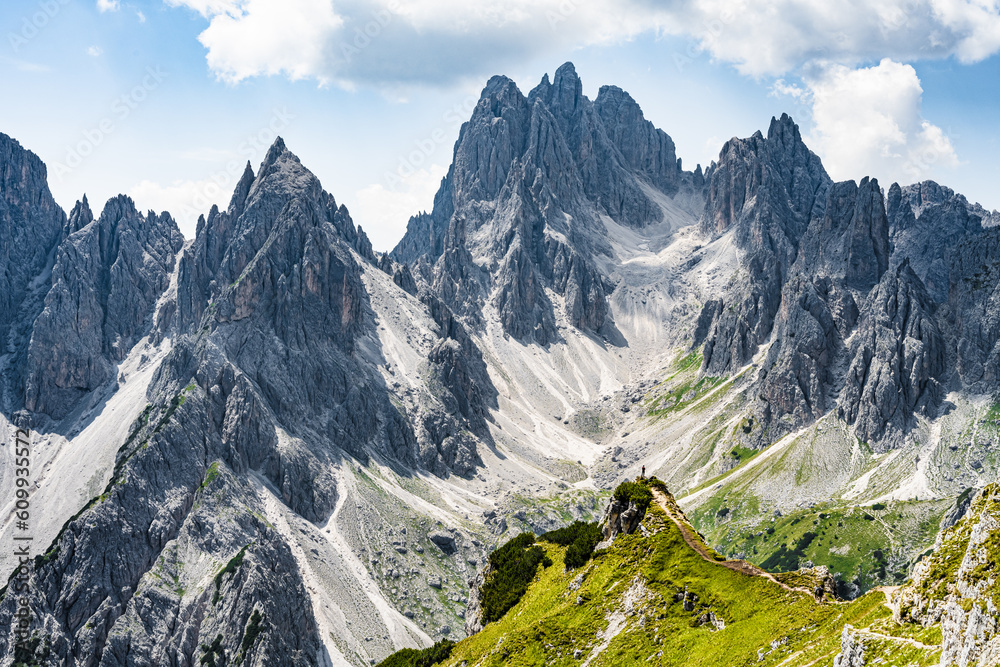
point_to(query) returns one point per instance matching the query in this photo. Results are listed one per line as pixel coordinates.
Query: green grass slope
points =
(651, 599)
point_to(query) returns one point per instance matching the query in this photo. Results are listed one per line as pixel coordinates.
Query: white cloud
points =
(95, 51)
(139, 15)
(185, 200)
(108, 5)
(391, 41)
(209, 8)
(247, 38)
(869, 121)
(384, 211)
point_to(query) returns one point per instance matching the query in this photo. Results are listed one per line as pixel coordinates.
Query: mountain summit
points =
(272, 445)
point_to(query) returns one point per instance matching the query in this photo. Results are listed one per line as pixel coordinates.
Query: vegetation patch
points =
(580, 537)
(212, 651)
(211, 474)
(512, 567)
(253, 630)
(411, 657)
(680, 397)
(230, 568)
(634, 492)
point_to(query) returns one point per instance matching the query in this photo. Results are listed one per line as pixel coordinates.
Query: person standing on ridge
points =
(643, 475)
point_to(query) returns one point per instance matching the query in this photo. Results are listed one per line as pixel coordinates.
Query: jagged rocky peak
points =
(79, 217)
(927, 221)
(107, 277)
(647, 150)
(283, 192)
(490, 141)
(31, 223)
(897, 360)
(615, 150)
(780, 167)
(764, 191)
(279, 276)
(531, 179)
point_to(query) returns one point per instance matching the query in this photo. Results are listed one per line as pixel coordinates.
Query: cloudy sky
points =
(166, 100)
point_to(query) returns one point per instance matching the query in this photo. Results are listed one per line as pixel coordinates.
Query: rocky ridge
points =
(574, 306)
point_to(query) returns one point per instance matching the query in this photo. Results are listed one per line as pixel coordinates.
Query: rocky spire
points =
(106, 280)
(31, 223)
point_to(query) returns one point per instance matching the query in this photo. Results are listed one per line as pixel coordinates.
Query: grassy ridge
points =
(558, 617)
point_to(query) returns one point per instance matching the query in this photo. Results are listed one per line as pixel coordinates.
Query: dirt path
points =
(695, 543)
(888, 591)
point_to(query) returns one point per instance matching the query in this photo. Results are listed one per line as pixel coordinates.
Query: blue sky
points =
(165, 100)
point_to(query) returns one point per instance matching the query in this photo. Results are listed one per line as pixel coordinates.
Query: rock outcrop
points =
(474, 610)
(763, 191)
(957, 586)
(108, 275)
(852, 649)
(897, 358)
(31, 224)
(519, 216)
(621, 518)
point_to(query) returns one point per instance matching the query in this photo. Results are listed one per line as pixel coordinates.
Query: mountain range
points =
(272, 445)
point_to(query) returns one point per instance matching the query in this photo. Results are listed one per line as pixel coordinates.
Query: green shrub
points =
(230, 568)
(787, 558)
(658, 484)
(253, 629)
(580, 537)
(634, 492)
(513, 566)
(411, 657)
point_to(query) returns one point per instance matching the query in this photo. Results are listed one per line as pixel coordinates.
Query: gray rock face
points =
(842, 255)
(474, 609)
(530, 180)
(112, 610)
(620, 518)
(974, 310)
(852, 649)
(30, 225)
(458, 366)
(764, 191)
(107, 277)
(929, 241)
(897, 355)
